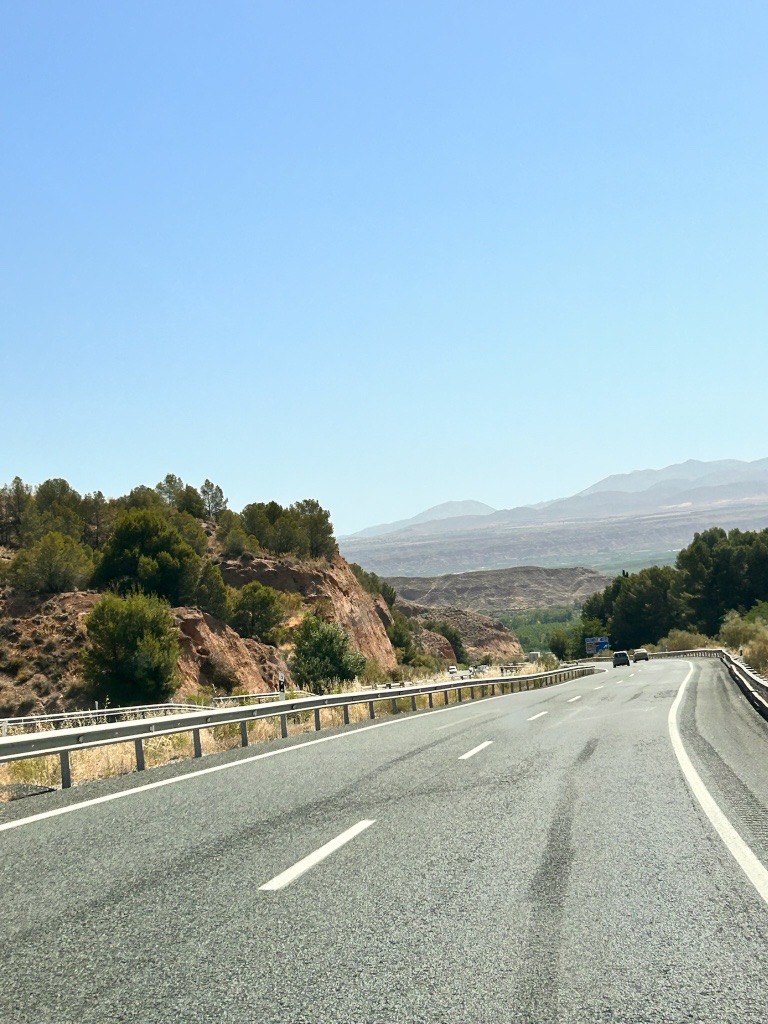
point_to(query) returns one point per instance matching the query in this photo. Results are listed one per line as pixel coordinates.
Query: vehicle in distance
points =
(620, 658)
(640, 655)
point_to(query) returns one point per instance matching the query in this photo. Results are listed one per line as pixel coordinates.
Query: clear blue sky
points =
(381, 254)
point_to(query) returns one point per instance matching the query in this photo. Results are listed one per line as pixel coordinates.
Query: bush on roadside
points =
(132, 650)
(323, 655)
(683, 640)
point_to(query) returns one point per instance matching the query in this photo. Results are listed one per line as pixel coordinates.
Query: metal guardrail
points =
(62, 742)
(699, 652)
(31, 723)
(753, 686)
(251, 698)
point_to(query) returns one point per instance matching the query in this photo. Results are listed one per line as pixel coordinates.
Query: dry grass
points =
(120, 759)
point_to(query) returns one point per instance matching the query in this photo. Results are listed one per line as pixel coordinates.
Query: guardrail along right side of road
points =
(753, 686)
(62, 742)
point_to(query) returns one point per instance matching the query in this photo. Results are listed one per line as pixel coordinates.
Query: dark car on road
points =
(620, 658)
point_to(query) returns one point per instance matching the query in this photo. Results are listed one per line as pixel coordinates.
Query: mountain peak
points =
(447, 510)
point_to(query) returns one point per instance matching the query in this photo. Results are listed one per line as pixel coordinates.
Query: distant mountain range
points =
(626, 520)
(448, 510)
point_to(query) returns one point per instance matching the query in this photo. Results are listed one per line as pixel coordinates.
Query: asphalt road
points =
(562, 872)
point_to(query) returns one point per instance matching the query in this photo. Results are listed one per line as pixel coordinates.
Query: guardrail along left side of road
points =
(62, 743)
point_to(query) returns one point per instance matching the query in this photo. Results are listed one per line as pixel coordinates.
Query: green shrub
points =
(323, 655)
(132, 650)
(683, 640)
(53, 564)
(148, 552)
(257, 610)
(213, 595)
(400, 632)
(737, 630)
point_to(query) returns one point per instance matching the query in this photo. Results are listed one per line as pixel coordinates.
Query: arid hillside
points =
(484, 639)
(41, 640)
(499, 590)
(41, 637)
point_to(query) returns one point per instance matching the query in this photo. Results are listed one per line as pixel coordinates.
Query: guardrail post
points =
(66, 774)
(197, 743)
(429, 699)
(243, 733)
(317, 719)
(345, 712)
(139, 746)
(413, 702)
(493, 686)
(445, 697)
(459, 694)
(284, 726)
(394, 706)
(371, 709)
(471, 693)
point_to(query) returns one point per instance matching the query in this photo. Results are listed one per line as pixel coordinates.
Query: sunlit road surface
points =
(525, 858)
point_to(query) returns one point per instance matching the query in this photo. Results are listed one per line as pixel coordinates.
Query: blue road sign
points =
(602, 644)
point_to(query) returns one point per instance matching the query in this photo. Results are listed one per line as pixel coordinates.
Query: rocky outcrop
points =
(212, 654)
(41, 638)
(328, 588)
(484, 639)
(435, 644)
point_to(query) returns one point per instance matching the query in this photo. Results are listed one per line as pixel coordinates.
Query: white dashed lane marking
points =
(291, 874)
(475, 750)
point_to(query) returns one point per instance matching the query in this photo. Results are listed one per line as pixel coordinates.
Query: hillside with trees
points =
(124, 599)
(168, 591)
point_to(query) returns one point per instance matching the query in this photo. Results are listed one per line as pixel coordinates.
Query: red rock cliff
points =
(329, 588)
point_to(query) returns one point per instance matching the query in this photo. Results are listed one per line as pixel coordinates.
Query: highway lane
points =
(563, 872)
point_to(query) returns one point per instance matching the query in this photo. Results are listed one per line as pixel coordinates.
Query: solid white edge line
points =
(240, 762)
(475, 750)
(300, 867)
(572, 699)
(534, 717)
(742, 854)
(7, 825)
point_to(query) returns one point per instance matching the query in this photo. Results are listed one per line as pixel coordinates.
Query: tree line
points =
(65, 540)
(720, 574)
